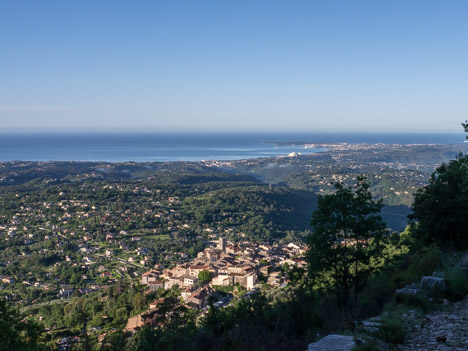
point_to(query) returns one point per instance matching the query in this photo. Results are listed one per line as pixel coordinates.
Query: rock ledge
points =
(333, 342)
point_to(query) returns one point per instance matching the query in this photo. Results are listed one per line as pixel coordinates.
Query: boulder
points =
(432, 283)
(333, 343)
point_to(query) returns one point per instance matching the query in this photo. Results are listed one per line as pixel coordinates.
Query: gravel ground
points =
(441, 330)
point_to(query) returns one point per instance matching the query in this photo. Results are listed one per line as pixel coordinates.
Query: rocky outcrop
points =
(432, 283)
(333, 343)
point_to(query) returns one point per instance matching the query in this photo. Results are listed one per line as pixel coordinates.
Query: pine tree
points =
(347, 234)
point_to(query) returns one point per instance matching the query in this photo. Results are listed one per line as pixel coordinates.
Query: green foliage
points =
(377, 291)
(410, 268)
(176, 329)
(283, 319)
(48, 260)
(111, 307)
(204, 276)
(441, 208)
(257, 211)
(418, 301)
(115, 340)
(457, 282)
(347, 235)
(370, 345)
(224, 289)
(17, 334)
(393, 330)
(146, 339)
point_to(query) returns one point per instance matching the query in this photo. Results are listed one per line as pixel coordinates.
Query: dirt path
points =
(442, 330)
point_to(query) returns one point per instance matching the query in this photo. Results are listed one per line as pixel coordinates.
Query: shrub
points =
(393, 330)
(419, 301)
(367, 346)
(457, 283)
(376, 293)
(418, 264)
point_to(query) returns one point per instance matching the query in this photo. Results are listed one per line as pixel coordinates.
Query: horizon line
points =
(240, 131)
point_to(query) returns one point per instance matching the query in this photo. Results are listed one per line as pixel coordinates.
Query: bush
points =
(376, 293)
(419, 301)
(371, 345)
(418, 264)
(457, 283)
(393, 330)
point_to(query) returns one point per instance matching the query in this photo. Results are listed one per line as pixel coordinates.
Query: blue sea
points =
(145, 147)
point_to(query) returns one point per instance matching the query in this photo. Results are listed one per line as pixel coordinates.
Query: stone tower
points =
(222, 244)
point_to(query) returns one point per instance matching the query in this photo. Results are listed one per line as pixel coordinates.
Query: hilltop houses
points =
(230, 264)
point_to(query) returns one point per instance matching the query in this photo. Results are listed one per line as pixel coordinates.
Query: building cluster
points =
(225, 264)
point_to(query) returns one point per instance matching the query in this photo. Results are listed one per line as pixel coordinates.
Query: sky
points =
(312, 65)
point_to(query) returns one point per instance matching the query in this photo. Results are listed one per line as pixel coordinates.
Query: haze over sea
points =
(146, 147)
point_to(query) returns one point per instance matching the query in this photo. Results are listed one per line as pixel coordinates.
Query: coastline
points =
(164, 147)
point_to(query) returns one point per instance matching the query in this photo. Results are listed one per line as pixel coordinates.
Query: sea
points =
(147, 147)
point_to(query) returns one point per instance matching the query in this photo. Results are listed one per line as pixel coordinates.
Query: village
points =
(223, 266)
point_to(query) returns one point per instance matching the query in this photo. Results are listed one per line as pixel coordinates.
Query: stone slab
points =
(333, 342)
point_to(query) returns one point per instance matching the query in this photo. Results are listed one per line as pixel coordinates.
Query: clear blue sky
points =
(329, 65)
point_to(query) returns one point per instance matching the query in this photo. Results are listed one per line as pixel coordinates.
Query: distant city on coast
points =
(148, 147)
